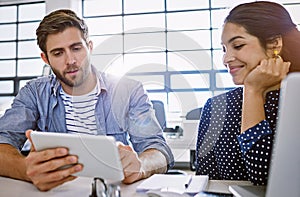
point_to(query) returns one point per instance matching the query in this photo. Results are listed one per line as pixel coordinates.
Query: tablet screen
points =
(98, 153)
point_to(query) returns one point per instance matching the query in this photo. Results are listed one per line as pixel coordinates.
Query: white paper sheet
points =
(174, 183)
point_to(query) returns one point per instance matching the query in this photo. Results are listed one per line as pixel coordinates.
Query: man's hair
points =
(57, 21)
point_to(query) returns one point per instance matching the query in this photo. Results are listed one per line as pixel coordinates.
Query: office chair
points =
(194, 114)
(161, 117)
(46, 70)
(160, 113)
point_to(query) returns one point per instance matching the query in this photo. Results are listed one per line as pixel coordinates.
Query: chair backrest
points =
(160, 113)
(194, 114)
(46, 70)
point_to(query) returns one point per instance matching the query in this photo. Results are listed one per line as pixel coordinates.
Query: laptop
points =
(284, 176)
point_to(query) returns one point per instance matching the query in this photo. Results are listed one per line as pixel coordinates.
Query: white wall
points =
(58, 4)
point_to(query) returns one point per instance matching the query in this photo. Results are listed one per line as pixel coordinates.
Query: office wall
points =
(58, 4)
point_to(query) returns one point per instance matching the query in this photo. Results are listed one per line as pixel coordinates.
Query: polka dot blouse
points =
(222, 151)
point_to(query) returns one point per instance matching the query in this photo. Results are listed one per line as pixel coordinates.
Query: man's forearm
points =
(153, 162)
(12, 163)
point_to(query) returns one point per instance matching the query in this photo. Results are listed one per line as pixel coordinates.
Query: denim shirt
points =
(123, 110)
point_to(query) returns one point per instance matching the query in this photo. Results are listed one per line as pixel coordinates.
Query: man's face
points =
(69, 58)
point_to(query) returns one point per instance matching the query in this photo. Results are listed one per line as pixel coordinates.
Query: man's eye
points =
(58, 53)
(76, 48)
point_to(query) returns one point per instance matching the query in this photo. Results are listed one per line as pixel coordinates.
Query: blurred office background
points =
(172, 46)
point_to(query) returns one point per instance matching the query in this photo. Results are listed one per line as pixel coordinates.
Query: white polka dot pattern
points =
(222, 152)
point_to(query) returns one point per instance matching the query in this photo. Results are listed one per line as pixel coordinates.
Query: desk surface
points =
(82, 187)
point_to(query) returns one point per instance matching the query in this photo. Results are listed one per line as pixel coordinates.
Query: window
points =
(162, 43)
(19, 54)
(172, 46)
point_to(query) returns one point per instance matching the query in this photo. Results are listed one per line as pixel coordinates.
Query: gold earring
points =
(276, 54)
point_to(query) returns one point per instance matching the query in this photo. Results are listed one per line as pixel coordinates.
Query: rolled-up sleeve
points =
(256, 145)
(16, 120)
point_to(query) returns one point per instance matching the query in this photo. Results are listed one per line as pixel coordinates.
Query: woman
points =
(261, 45)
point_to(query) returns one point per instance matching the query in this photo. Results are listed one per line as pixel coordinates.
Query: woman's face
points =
(242, 52)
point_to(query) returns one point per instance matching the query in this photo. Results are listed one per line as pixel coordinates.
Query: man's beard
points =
(72, 83)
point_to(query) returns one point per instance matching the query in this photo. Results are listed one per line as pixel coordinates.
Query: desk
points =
(184, 146)
(81, 187)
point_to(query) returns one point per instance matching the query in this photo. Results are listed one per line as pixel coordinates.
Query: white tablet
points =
(98, 154)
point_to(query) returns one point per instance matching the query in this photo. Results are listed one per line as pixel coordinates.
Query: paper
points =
(175, 183)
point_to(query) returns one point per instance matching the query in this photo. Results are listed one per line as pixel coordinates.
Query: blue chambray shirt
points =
(123, 110)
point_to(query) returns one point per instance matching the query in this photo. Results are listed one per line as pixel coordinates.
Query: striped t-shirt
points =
(80, 112)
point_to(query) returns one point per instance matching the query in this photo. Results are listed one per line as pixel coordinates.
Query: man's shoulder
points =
(39, 84)
(41, 80)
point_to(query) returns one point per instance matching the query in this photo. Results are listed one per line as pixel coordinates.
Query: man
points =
(78, 99)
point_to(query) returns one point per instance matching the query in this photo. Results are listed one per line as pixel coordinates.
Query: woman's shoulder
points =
(232, 99)
(234, 94)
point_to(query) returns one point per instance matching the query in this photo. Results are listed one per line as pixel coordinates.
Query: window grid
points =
(166, 39)
(168, 73)
(14, 58)
(218, 76)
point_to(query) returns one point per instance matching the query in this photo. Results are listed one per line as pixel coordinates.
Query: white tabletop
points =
(82, 187)
(78, 187)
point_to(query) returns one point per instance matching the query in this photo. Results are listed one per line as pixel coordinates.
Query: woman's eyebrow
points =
(232, 39)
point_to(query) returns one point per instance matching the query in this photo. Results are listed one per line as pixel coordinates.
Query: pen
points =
(188, 181)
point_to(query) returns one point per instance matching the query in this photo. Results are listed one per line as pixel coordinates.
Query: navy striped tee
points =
(80, 112)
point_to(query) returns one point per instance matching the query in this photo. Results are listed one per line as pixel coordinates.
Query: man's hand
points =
(42, 167)
(132, 165)
(136, 167)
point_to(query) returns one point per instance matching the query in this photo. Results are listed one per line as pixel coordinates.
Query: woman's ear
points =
(274, 44)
